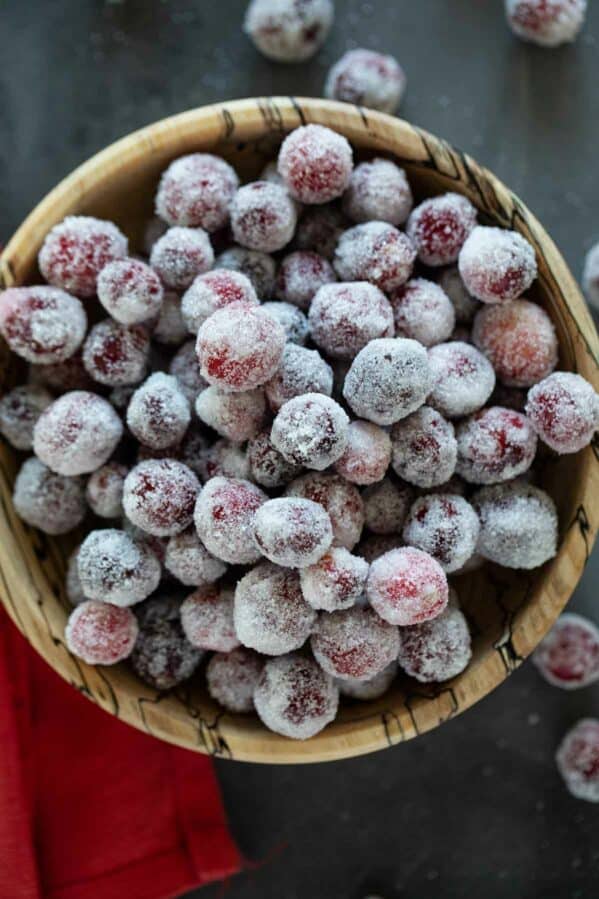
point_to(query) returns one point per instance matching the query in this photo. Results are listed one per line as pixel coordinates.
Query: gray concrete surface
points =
(476, 808)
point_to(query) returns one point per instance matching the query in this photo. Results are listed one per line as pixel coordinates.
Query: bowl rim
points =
(392, 719)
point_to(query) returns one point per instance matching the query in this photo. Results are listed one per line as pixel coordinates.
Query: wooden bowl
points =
(509, 612)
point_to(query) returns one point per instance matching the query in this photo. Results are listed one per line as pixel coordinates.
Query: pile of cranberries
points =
(285, 449)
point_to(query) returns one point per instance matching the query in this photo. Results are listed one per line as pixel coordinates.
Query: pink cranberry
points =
(367, 690)
(211, 291)
(366, 78)
(159, 496)
(564, 411)
(51, 502)
(259, 267)
(237, 416)
(180, 255)
(568, 657)
(196, 190)
(295, 698)
(301, 371)
(224, 518)
(439, 227)
(386, 506)
(115, 354)
(422, 311)
(378, 190)
(494, 445)
(463, 379)
(100, 633)
(445, 526)
(577, 760)
(548, 23)
(169, 327)
(130, 291)
(424, 448)
(76, 250)
(42, 324)
(207, 619)
(158, 414)
(292, 532)
(336, 581)
(221, 459)
(189, 561)
(184, 366)
(375, 252)
(339, 498)
(288, 31)
(345, 317)
(407, 586)
(104, 490)
(465, 306)
(315, 163)
(294, 322)
(20, 409)
(319, 229)
(367, 455)
(263, 216)
(436, 650)
(311, 430)
(497, 265)
(163, 657)
(268, 467)
(114, 568)
(354, 643)
(232, 677)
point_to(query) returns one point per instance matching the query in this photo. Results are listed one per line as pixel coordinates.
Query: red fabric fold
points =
(92, 808)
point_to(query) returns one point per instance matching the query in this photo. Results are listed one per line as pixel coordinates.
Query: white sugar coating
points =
(300, 371)
(263, 216)
(100, 633)
(232, 677)
(20, 408)
(378, 190)
(153, 229)
(568, 657)
(422, 311)
(462, 379)
(292, 532)
(345, 317)
(407, 586)
(207, 618)
(494, 445)
(354, 643)
(259, 267)
(445, 526)
(212, 291)
(295, 698)
(268, 467)
(240, 347)
(310, 430)
(366, 690)
(76, 250)
(375, 252)
(130, 291)
(114, 568)
(366, 78)
(300, 276)
(496, 265)
(72, 584)
(548, 23)
(439, 226)
(224, 519)
(465, 306)
(77, 433)
(336, 581)
(291, 318)
(590, 276)
(51, 502)
(387, 380)
(222, 458)
(196, 190)
(180, 255)
(377, 545)
(319, 229)
(367, 455)
(436, 650)
(159, 496)
(163, 656)
(116, 355)
(271, 614)
(518, 339)
(287, 31)
(184, 366)
(315, 163)
(158, 413)
(170, 328)
(519, 525)
(564, 411)
(42, 324)
(237, 416)
(577, 759)
(425, 450)
(104, 490)
(386, 506)
(341, 500)
(189, 561)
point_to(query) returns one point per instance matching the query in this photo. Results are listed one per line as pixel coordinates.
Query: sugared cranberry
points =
(240, 347)
(221, 459)
(319, 229)
(231, 678)
(291, 318)
(367, 455)
(367, 78)
(224, 519)
(189, 561)
(377, 545)
(345, 317)
(169, 328)
(519, 340)
(212, 291)
(310, 430)
(158, 414)
(301, 371)
(386, 506)
(20, 409)
(237, 416)
(497, 265)
(424, 448)
(341, 500)
(335, 582)
(564, 411)
(259, 267)
(375, 252)
(263, 216)
(271, 614)
(292, 532)
(295, 698)
(354, 643)
(288, 31)
(130, 291)
(104, 490)
(184, 366)
(378, 190)
(196, 190)
(436, 650)
(462, 379)
(407, 586)
(519, 525)
(577, 760)
(548, 23)
(100, 633)
(116, 569)
(159, 496)
(63, 376)
(207, 619)
(51, 502)
(315, 163)
(77, 433)
(268, 467)
(180, 255)
(568, 657)
(495, 445)
(41, 324)
(439, 227)
(116, 355)
(163, 656)
(367, 690)
(422, 311)
(465, 306)
(445, 526)
(76, 250)
(300, 276)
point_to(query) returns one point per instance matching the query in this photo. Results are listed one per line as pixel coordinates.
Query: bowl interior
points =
(509, 612)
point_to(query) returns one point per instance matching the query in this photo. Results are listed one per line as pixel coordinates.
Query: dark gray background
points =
(475, 808)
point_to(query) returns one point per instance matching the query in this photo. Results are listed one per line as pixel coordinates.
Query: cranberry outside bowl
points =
(509, 612)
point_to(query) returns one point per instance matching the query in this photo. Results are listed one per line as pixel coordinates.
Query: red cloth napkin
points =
(90, 807)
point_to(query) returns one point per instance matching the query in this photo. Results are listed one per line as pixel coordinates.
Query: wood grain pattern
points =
(509, 612)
